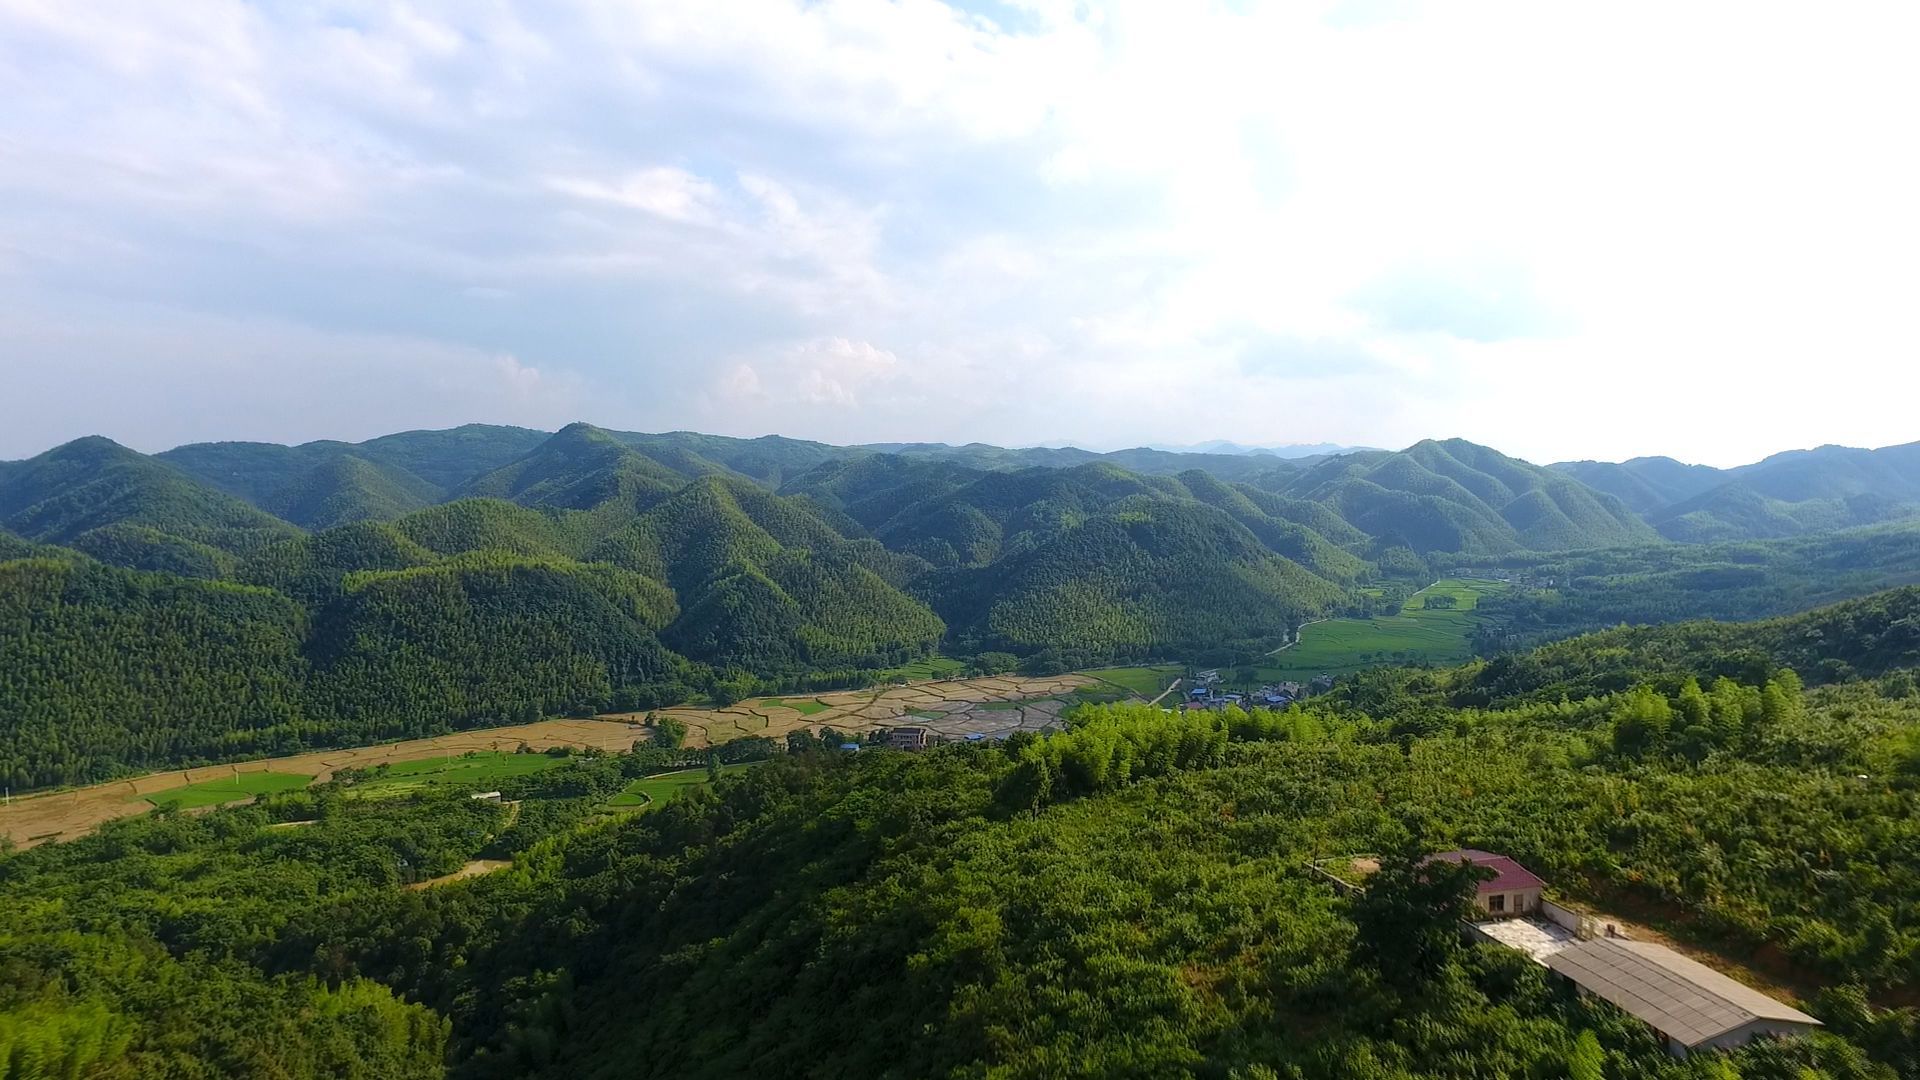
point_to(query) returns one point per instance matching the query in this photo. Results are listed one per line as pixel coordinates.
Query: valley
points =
(989, 706)
(337, 594)
(535, 754)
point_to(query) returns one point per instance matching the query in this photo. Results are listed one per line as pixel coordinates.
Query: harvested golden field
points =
(958, 707)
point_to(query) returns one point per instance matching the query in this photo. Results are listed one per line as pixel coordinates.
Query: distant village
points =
(1207, 692)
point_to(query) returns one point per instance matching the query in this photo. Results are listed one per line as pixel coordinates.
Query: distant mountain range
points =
(1788, 494)
(332, 591)
(1288, 450)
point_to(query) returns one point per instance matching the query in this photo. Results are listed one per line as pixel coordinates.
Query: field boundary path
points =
(1171, 687)
(1297, 635)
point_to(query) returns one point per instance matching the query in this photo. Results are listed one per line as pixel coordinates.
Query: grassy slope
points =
(659, 788)
(1147, 682)
(1416, 635)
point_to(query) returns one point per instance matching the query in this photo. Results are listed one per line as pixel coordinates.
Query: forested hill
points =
(236, 599)
(1787, 494)
(1139, 895)
(1860, 639)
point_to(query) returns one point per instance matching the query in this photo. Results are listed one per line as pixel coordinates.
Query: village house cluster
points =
(1207, 692)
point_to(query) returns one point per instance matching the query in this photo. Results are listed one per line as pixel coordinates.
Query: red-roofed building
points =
(1513, 890)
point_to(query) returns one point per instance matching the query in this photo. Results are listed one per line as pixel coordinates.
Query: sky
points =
(1563, 230)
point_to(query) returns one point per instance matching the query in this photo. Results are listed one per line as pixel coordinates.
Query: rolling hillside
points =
(1456, 496)
(424, 580)
(1794, 493)
(70, 494)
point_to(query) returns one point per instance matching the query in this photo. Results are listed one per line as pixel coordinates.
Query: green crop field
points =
(1416, 634)
(1147, 682)
(803, 706)
(228, 789)
(478, 772)
(657, 789)
(933, 667)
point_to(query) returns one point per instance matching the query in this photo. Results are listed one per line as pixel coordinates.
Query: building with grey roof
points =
(1690, 1005)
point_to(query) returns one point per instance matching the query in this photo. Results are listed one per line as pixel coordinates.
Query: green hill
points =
(141, 547)
(1456, 496)
(1735, 511)
(314, 568)
(1644, 484)
(346, 489)
(1865, 637)
(104, 670)
(580, 467)
(441, 459)
(93, 483)
(1142, 578)
(1279, 534)
(1789, 494)
(487, 638)
(767, 585)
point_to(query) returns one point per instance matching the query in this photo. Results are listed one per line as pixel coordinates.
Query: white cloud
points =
(895, 219)
(664, 191)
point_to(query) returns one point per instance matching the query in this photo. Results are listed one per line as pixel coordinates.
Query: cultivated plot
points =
(952, 705)
(1416, 634)
(237, 788)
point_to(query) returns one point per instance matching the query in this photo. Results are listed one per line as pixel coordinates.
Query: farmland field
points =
(933, 667)
(229, 789)
(803, 706)
(659, 788)
(1147, 682)
(478, 770)
(1416, 634)
(417, 763)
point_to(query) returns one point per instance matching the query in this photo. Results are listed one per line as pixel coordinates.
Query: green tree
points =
(1642, 721)
(1408, 915)
(669, 732)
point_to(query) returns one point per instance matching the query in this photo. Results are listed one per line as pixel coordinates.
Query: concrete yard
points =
(1537, 938)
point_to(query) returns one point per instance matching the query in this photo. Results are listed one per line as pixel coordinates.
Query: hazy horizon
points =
(1054, 444)
(1588, 234)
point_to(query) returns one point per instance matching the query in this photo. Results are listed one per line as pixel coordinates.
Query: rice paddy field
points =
(803, 706)
(228, 789)
(1416, 634)
(478, 770)
(954, 708)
